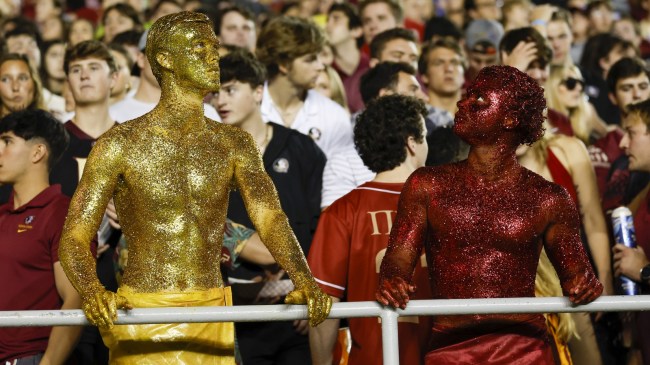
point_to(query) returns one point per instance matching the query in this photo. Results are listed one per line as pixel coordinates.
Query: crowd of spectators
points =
(297, 75)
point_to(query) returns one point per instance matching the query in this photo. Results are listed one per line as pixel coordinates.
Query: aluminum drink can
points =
(623, 225)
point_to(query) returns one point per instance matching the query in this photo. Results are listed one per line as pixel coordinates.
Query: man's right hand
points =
(521, 56)
(394, 292)
(101, 308)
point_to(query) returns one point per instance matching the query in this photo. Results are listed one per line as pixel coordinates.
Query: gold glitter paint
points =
(170, 173)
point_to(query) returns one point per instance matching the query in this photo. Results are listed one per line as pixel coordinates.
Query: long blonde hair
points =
(578, 115)
(547, 284)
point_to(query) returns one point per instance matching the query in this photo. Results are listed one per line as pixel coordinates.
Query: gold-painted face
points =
(197, 63)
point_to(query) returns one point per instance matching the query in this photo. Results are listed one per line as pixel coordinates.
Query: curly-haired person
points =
(482, 223)
(352, 233)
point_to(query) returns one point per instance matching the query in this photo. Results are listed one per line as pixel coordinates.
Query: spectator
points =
(352, 234)
(20, 86)
(124, 64)
(600, 16)
(454, 10)
(295, 164)
(119, 18)
(483, 9)
(80, 30)
(237, 28)
(633, 262)
(395, 45)
(53, 73)
(579, 28)
(442, 66)
(53, 28)
(46, 9)
(558, 33)
(343, 30)
(378, 16)
(32, 142)
(482, 39)
(628, 29)
(600, 53)
(162, 8)
(330, 85)
(440, 27)
(516, 14)
(629, 80)
(565, 90)
(527, 50)
(289, 48)
(25, 40)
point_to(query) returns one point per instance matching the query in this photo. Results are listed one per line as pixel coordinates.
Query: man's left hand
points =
(318, 303)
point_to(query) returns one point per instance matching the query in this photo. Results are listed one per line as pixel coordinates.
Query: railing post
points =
(389, 336)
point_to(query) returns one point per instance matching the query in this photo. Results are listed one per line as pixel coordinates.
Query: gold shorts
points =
(173, 343)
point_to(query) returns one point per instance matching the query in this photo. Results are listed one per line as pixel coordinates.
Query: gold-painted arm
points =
(263, 207)
(84, 216)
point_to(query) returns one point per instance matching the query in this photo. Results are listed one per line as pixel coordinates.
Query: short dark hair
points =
(126, 10)
(350, 11)
(241, 65)
(27, 28)
(443, 27)
(31, 124)
(597, 47)
(624, 68)
(527, 34)
(642, 109)
(395, 8)
(423, 62)
(284, 39)
(379, 42)
(128, 38)
(89, 49)
(382, 130)
(247, 14)
(384, 75)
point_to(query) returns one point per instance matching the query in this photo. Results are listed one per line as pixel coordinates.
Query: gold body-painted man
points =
(170, 173)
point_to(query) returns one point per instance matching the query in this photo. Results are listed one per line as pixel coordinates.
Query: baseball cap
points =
(484, 47)
(483, 30)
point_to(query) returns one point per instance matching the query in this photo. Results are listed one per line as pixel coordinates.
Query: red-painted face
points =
(497, 94)
(481, 111)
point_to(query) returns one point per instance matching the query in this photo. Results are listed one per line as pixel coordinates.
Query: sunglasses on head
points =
(572, 82)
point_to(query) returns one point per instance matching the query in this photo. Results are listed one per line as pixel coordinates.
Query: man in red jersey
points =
(31, 141)
(482, 223)
(352, 233)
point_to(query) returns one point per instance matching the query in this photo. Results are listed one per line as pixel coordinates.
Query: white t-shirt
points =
(344, 172)
(130, 108)
(326, 122)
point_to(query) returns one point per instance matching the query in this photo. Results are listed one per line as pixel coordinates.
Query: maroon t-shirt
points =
(29, 244)
(351, 83)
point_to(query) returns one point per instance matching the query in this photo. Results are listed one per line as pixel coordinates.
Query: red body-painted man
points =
(483, 222)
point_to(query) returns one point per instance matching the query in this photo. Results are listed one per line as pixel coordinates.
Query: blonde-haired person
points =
(329, 84)
(565, 161)
(20, 85)
(565, 92)
(561, 326)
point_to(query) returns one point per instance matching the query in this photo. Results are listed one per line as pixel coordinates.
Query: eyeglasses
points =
(572, 82)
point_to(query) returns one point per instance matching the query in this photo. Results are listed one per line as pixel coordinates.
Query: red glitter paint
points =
(483, 222)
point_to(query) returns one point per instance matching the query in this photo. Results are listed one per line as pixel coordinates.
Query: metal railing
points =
(388, 316)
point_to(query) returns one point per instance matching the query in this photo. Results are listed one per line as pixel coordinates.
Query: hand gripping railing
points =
(254, 313)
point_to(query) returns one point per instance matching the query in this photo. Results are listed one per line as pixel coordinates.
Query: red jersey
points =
(345, 257)
(29, 244)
